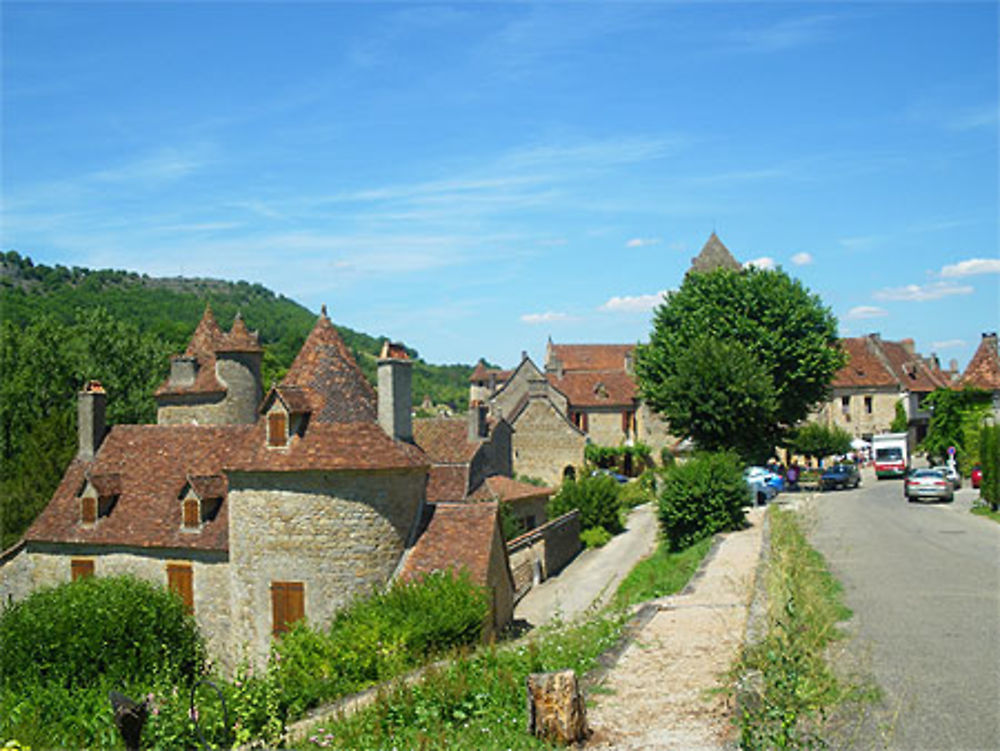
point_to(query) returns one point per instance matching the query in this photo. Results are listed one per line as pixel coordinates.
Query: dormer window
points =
(201, 498)
(191, 513)
(98, 496)
(277, 428)
(88, 510)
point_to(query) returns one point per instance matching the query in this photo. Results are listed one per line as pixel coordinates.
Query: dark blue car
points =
(840, 476)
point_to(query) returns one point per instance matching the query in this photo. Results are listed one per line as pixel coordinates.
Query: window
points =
(180, 579)
(580, 420)
(868, 405)
(287, 605)
(81, 568)
(88, 510)
(192, 513)
(277, 428)
(845, 404)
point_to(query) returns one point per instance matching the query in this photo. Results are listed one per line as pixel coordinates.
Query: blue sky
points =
(472, 178)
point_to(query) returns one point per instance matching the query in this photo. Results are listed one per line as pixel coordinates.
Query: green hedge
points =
(597, 499)
(701, 497)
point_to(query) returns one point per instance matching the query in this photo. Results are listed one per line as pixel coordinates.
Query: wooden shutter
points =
(88, 510)
(192, 512)
(287, 605)
(277, 430)
(80, 568)
(180, 579)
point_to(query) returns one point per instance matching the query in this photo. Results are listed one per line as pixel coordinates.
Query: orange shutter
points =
(192, 512)
(80, 568)
(287, 605)
(180, 579)
(277, 432)
(88, 510)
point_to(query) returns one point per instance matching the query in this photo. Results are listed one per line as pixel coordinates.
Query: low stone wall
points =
(542, 552)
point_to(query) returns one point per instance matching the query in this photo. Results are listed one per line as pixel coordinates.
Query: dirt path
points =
(659, 694)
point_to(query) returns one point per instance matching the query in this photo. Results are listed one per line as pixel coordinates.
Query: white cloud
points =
(547, 317)
(972, 267)
(786, 34)
(948, 344)
(764, 262)
(642, 242)
(923, 292)
(802, 259)
(861, 312)
(634, 303)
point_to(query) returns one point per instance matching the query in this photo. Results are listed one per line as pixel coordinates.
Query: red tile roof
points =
(447, 482)
(501, 488)
(482, 373)
(874, 362)
(983, 371)
(454, 536)
(909, 367)
(206, 340)
(339, 391)
(295, 399)
(597, 388)
(445, 439)
(589, 357)
(239, 339)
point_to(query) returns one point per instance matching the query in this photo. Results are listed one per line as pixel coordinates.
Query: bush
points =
(596, 498)
(702, 497)
(95, 632)
(632, 494)
(989, 456)
(595, 537)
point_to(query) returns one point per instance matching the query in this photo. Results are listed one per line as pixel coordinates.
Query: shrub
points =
(595, 537)
(95, 632)
(632, 494)
(597, 499)
(667, 458)
(702, 497)
(989, 455)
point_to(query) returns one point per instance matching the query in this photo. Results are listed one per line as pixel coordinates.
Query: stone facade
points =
(546, 445)
(543, 552)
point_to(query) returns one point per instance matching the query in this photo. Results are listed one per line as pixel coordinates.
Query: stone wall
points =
(240, 374)
(653, 430)
(543, 552)
(339, 533)
(856, 419)
(604, 425)
(545, 443)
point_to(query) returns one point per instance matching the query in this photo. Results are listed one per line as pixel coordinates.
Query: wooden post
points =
(556, 710)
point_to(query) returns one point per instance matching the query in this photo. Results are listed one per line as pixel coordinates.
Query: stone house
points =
(254, 522)
(983, 370)
(879, 374)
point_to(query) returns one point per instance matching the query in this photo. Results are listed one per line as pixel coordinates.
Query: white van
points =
(892, 455)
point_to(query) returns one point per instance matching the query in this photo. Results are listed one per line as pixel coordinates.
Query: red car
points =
(977, 476)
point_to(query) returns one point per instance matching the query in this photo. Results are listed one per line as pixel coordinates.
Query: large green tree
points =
(754, 345)
(955, 417)
(817, 441)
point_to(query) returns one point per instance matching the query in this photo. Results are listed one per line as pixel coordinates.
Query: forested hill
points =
(62, 326)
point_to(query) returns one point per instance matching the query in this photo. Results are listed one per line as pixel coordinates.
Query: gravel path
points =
(659, 695)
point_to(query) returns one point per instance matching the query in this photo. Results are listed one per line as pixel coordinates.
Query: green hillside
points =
(62, 326)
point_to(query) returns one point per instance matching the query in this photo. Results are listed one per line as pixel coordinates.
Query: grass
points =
(983, 509)
(661, 574)
(789, 690)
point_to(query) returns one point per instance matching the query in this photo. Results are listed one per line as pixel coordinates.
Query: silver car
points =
(952, 474)
(928, 483)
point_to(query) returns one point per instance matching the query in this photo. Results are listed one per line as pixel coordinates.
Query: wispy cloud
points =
(547, 317)
(789, 33)
(802, 259)
(634, 303)
(948, 344)
(764, 262)
(971, 118)
(860, 242)
(169, 164)
(972, 267)
(923, 292)
(862, 312)
(642, 242)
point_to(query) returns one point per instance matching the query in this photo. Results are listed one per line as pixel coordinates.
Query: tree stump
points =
(556, 710)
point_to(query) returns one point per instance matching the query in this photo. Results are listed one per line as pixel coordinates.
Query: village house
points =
(983, 370)
(258, 509)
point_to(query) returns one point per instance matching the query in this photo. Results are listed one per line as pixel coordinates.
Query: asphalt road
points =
(923, 581)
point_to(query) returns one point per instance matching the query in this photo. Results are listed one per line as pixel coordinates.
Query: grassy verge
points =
(663, 573)
(789, 690)
(476, 701)
(984, 510)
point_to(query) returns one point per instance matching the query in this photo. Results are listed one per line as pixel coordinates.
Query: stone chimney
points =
(91, 405)
(537, 387)
(395, 400)
(910, 346)
(183, 370)
(630, 362)
(478, 427)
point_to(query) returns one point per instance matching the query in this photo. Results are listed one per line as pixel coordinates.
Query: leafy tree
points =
(769, 324)
(900, 423)
(951, 413)
(597, 499)
(816, 440)
(989, 453)
(701, 497)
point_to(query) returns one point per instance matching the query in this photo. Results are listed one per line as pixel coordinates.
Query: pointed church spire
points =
(714, 255)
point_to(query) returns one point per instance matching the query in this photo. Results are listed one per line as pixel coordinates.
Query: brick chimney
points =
(91, 404)
(395, 398)
(478, 427)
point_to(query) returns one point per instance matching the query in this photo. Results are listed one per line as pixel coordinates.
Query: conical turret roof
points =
(714, 255)
(206, 337)
(338, 390)
(983, 371)
(239, 338)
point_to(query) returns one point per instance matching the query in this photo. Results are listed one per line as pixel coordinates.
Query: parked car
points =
(840, 476)
(760, 491)
(613, 475)
(772, 478)
(977, 476)
(928, 483)
(954, 475)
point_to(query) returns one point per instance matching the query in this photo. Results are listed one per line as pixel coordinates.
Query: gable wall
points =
(544, 443)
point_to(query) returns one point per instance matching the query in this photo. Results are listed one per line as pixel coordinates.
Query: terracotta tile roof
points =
(326, 446)
(909, 367)
(106, 484)
(153, 463)
(204, 343)
(864, 365)
(482, 373)
(714, 255)
(447, 482)
(445, 439)
(501, 488)
(206, 337)
(339, 391)
(295, 399)
(597, 389)
(208, 486)
(983, 371)
(239, 339)
(454, 536)
(589, 357)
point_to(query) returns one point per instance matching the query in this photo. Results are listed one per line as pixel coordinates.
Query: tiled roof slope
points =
(874, 362)
(983, 371)
(482, 373)
(596, 388)
(909, 367)
(153, 464)
(239, 339)
(454, 536)
(447, 482)
(203, 345)
(339, 391)
(445, 439)
(589, 357)
(714, 255)
(501, 488)
(864, 367)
